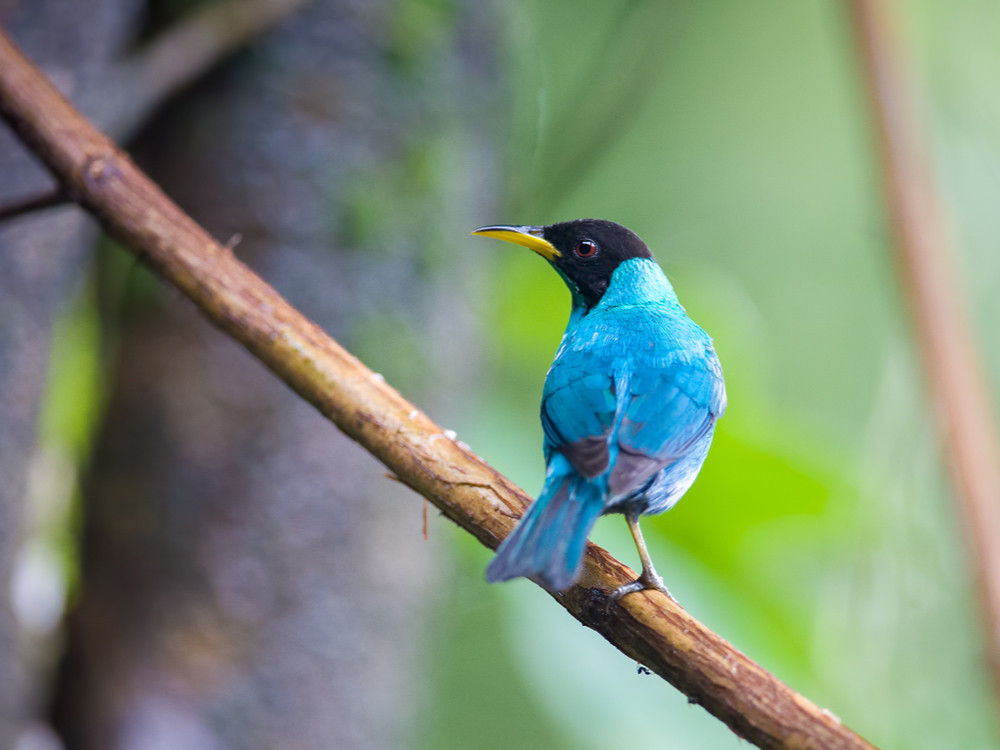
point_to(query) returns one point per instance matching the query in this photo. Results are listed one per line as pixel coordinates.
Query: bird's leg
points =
(648, 579)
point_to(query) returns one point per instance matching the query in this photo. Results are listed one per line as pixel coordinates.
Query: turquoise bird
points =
(629, 404)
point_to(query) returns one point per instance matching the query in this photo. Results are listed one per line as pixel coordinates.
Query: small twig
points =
(39, 202)
(179, 56)
(648, 626)
(124, 97)
(953, 366)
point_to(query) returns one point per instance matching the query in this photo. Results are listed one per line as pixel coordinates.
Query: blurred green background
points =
(820, 538)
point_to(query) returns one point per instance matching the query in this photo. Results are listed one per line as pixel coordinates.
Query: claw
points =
(648, 580)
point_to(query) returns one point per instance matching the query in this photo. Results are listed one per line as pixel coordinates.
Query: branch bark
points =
(954, 370)
(647, 627)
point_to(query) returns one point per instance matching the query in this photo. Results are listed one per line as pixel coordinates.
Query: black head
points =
(585, 252)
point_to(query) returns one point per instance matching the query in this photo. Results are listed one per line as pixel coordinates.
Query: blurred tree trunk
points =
(41, 262)
(250, 578)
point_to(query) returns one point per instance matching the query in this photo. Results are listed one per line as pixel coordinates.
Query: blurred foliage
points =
(70, 412)
(820, 537)
(74, 395)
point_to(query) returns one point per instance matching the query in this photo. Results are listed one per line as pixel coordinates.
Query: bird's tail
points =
(548, 542)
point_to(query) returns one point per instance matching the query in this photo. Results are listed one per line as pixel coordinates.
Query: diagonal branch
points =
(648, 627)
(179, 56)
(954, 371)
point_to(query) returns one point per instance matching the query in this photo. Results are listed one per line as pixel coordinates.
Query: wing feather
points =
(668, 403)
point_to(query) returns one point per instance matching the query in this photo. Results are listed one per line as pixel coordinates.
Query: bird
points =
(629, 405)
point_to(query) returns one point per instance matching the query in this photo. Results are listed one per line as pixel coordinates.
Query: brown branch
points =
(648, 627)
(954, 370)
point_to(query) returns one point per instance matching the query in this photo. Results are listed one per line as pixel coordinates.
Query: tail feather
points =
(548, 543)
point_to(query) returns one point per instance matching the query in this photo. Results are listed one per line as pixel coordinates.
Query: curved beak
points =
(530, 237)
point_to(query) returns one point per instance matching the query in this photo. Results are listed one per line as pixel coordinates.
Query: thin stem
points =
(31, 204)
(952, 363)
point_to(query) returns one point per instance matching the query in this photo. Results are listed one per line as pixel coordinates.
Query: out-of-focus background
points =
(191, 558)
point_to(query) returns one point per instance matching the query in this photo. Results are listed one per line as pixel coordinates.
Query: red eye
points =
(586, 249)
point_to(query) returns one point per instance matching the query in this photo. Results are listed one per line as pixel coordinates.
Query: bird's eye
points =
(586, 249)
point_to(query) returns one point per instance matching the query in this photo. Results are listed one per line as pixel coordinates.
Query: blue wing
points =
(634, 413)
(578, 411)
(668, 411)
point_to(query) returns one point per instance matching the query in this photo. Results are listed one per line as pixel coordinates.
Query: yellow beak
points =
(530, 237)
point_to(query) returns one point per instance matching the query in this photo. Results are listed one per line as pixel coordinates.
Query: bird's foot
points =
(644, 582)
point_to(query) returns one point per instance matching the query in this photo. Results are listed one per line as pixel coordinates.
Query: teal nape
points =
(628, 408)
